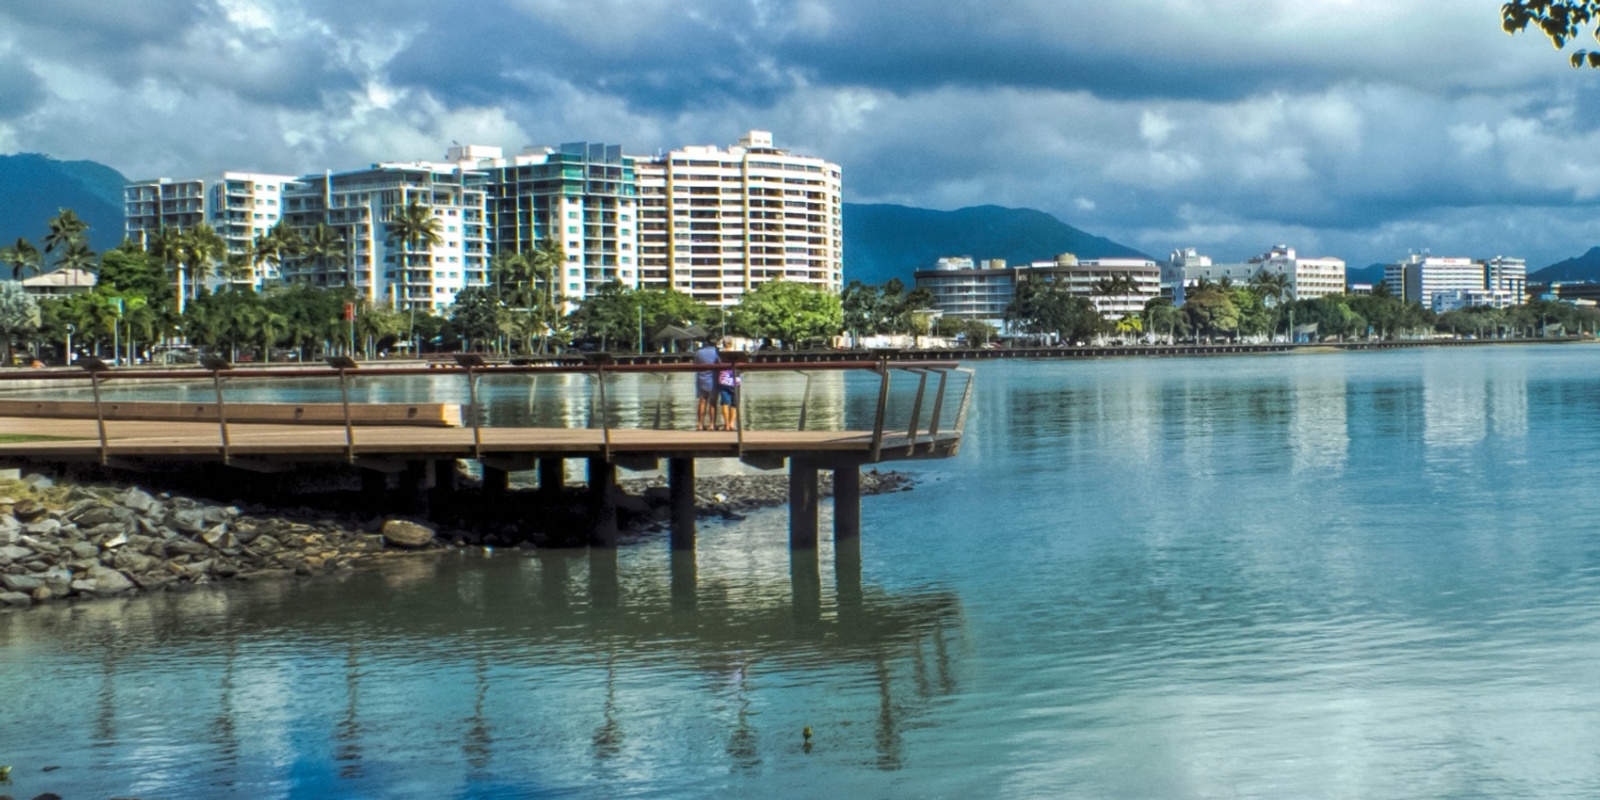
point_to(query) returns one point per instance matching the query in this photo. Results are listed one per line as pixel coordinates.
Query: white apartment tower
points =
(581, 195)
(239, 205)
(359, 206)
(1431, 280)
(715, 223)
(1308, 278)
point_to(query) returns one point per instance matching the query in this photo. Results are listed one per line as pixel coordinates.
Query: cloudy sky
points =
(1355, 128)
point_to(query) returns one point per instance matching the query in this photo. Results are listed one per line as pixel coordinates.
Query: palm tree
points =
(544, 265)
(77, 256)
(20, 256)
(325, 245)
(65, 228)
(414, 226)
(197, 247)
(273, 248)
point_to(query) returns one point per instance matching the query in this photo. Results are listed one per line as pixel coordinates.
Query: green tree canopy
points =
(1559, 20)
(787, 311)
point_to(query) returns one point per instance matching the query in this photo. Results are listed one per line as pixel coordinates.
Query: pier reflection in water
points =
(481, 673)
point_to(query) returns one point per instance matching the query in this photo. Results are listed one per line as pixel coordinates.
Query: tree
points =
(1211, 310)
(325, 246)
(1160, 314)
(1559, 20)
(475, 314)
(788, 311)
(272, 248)
(21, 257)
(412, 227)
(1046, 307)
(19, 316)
(197, 247)
(65, 228)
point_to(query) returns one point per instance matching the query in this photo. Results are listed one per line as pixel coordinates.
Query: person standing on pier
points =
(728, 381)
(705, 387)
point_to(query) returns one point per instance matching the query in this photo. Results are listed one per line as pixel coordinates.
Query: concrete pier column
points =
(847, 574)
(414, 484)
(685, 579)
(805, 585)
(847, 502)
(552, 476)
(442, 492)
(680, 488)
(802, 504)
(374, 485)
(495, 480)
(602, 502)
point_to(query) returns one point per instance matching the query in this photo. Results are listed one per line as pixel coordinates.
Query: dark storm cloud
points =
(21, 91)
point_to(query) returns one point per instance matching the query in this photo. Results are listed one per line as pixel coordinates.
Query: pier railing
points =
(912, 408)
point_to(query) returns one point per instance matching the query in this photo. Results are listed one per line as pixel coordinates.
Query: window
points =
(572, 229)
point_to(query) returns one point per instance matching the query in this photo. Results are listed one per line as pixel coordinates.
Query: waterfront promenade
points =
(410, 444)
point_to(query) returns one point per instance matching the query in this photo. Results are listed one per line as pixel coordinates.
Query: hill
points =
(890, 241)
(34, 188)
(1582, 268)
(1371, 273)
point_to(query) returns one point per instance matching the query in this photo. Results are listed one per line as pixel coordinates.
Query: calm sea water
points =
(1341, 575)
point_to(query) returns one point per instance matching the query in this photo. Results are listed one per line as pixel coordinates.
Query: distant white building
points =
(1308, 278)
(961, 288)
(59, 283)
(1442, 284)
(1089, 277)
(1506, 275)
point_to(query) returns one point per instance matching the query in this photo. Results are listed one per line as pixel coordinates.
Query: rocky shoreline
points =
(83, 540)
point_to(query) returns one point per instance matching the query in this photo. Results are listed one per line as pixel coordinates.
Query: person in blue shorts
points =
(705, 388)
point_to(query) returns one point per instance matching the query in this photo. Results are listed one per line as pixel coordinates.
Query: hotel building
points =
(239, 205)
(1308, 278)
(581, 195)
(1447, 284)
(963, 289)
(360, 204)
(715, 223)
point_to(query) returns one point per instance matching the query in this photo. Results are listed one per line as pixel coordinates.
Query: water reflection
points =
(429, 650)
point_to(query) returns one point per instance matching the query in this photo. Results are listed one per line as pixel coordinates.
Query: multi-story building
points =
(360, 204)
(1097, 280)
(716, 223)
(581, 195)
(963, 289)
(239, 205)
(1508, 276)
(1307, 278)
(1420, 278)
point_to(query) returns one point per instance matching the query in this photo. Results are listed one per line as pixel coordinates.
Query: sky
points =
(1361, 129)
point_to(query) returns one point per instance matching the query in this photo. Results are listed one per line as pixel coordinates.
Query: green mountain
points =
(34, 188)
(1582, 268)
(890, 241)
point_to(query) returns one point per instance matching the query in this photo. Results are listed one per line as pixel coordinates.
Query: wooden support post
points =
(602, 502)
(846, 502)
(552, 476)
(680, 488)
(495, 481)
(802, 504)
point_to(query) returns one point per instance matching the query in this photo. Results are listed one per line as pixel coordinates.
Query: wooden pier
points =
(421, 441)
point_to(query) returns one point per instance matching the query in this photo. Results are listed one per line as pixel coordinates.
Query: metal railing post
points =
(805, 401)
(222, 416)
(344, 364)
(99, 415)
(605, 415)
(883, 408)
(938, 406)
(738, 408)
(916, 407)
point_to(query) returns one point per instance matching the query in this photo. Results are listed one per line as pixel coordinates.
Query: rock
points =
(217, 536)
(132, 561)
(266, 545)
(21, 583)
(184, 547)
(43, 527)
(84, 549)
(39, 481)
(89, 513)
(216, 515)
(109, 581)
(82, 587)
(41, 546)
(401, 533)
(138, 500)
(13, 552)
(115, 542)
(189, 520)
(43, 594)
(16, 599)
(28, 510)
(9, 528)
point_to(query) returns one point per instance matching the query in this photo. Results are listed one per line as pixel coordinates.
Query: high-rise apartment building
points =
(581, 195)
(715, 223)
(1429, 280)
(1306, 278)
(1507, 275)
(360, 206)
(239, 205)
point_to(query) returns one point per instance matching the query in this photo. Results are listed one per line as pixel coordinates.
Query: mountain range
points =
(35, 187)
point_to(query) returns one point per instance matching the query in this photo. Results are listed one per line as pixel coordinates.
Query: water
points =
(1343, 575)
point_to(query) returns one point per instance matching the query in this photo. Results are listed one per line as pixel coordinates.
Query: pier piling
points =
(603, 502)
(802, 504)
(680, 488)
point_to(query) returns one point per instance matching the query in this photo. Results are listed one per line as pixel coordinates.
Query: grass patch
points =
(13, 438)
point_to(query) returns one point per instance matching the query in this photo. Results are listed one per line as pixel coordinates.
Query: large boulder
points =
(21, 583)
(28, 510)
(17, 599)
(90, 514)
(401, 533)
(138, 500)
(189, 520)
(108, 582)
